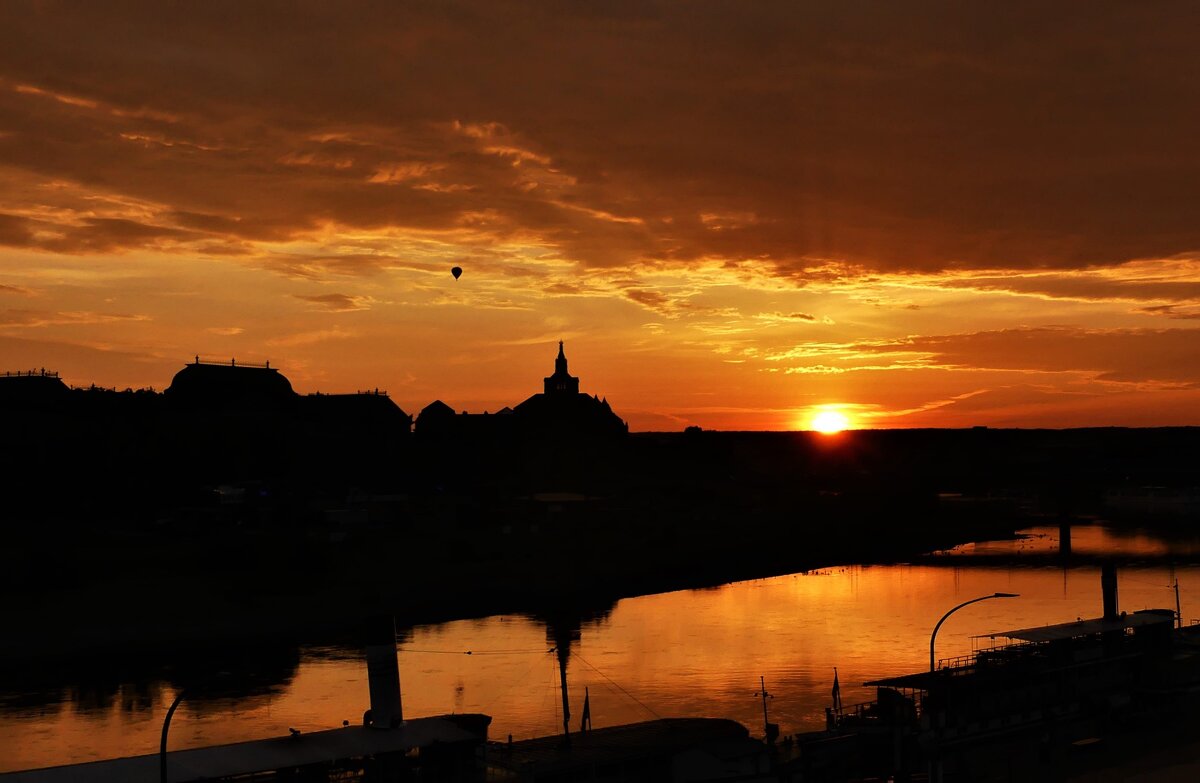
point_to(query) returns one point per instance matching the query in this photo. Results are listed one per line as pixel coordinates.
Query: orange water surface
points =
(686, 653)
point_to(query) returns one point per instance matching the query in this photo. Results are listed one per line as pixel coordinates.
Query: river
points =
(685, 653)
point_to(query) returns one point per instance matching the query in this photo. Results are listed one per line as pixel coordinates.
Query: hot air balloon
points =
(456, 271)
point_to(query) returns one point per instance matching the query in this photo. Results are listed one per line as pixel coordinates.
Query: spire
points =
(561, 381)
(560, 364)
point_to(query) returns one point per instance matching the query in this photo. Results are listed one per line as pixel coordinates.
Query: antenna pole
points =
(762, 681)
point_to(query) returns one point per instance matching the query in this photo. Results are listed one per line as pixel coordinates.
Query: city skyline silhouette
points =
(638, 392)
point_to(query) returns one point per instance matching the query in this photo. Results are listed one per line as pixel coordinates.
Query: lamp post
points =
(933, 637)
(218, 677)
(162, 745)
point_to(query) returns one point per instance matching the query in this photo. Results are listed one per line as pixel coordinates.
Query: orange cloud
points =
(1167, 356)
(338, 303)
(785, 204)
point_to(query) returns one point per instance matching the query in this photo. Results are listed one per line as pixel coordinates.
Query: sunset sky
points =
(737, 215)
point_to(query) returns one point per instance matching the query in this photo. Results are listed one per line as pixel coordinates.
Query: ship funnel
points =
(1108, 584)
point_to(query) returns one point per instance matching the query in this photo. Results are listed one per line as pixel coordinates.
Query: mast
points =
(762, 681)
(561, 630)
(564, 651)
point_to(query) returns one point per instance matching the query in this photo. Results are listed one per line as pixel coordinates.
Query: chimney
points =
(383, 674)
(1108, 585)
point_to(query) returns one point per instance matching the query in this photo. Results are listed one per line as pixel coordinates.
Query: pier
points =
(342, 750)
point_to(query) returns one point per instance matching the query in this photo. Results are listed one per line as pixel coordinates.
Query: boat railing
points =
(957, 662)
(1017, 654)
(999, 654)
(902, 709)
(863, 711)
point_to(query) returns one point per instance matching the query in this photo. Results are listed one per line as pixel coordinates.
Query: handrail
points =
(856, 709)
(957, 662)
(359, 392)
(231, 363)
(42, 373)
(994, 653)
(867, 711)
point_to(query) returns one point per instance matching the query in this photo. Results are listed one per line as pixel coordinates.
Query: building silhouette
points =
(221, 385)
(561, 382)
(437, 419)
(236, 389)
(243, 427)
(559, 439)
(32, 387)
(560, 412)
(236, 421)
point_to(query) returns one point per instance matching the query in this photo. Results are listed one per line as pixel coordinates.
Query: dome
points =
(223, 385)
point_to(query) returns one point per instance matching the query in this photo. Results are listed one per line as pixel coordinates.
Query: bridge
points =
(1053, 559)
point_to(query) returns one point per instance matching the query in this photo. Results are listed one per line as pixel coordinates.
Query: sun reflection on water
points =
(686, 653)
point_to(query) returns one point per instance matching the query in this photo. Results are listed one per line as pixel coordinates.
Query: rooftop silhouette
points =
(559, 411)
(24, 387)
(212, 383)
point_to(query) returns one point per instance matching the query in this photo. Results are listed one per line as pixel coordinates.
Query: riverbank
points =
(693, 652)
(464, 532)
(145, 593)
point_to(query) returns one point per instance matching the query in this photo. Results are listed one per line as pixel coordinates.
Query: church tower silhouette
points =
(561, 382)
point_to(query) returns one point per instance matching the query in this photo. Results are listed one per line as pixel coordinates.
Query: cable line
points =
(617, 685)
(470, 652)
(518, 680)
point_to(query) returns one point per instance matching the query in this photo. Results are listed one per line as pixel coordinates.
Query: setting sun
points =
(829, 422)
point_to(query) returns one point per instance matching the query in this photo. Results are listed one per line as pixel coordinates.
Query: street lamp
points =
(162, 745)
(933, 637)
(179, 696)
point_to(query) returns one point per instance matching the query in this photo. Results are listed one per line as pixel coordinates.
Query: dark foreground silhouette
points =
(230, 507)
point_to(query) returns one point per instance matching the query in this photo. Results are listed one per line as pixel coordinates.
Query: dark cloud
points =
(922, 136)
(342, 265)
(1090, 288)
(1173, 311)
(1169, 356)
(654, 300)
(783, 318)
(103, 235)
(338, 303)
(14, 230)
(1017, 396)
(91, 235)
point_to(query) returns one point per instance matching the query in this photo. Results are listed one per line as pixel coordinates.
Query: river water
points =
(686, 653)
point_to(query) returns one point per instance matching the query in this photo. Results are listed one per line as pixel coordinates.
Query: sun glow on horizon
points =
(829, 421)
